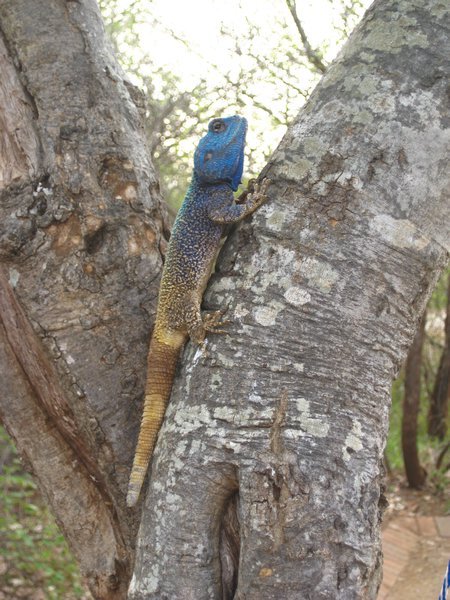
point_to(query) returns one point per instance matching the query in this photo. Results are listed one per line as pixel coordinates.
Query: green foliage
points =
(394, 441)
(33, 553)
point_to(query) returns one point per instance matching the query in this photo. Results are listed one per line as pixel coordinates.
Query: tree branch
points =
(312, 55)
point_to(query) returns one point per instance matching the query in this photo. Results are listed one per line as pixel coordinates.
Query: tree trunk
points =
(287, 417)
(80, 243)
(437, 415)
(415, 474)
(266, 479)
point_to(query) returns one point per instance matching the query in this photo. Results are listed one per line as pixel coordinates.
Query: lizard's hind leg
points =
(213, 322)
(194, 324)
(197, 327)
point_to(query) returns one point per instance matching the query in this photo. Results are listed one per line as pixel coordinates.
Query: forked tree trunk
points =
(267, 474)
(415, 473)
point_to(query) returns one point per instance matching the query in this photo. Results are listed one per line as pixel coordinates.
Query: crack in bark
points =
(276, 442)
(230, 546)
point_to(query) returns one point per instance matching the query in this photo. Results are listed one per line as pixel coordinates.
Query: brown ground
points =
(416, 540)
(404, 501)
(422, 577)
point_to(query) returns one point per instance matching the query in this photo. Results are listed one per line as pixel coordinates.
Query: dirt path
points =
(416, 551)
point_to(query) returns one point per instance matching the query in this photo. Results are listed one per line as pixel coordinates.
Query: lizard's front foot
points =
(257, 195)
(214, 323)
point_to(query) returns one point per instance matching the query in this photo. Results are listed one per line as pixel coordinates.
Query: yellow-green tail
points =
(162, 360)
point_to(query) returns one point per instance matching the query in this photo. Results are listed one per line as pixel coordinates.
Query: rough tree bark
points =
(80, 235)
(415, 473)
(268, 467)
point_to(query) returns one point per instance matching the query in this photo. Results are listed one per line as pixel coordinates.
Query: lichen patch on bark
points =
(353, 441)
(399, 232)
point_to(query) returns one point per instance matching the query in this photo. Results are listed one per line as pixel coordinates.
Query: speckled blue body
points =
(194, 234)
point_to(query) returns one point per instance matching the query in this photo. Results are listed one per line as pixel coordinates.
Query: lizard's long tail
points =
(162, 360)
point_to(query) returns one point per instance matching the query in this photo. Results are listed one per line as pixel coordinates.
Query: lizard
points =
(209, 206)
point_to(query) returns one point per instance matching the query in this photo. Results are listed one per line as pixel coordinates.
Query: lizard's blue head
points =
(220, 154)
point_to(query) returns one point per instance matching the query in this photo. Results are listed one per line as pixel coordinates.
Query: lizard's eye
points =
(218, 125)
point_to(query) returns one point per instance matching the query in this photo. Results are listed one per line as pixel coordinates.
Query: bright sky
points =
(208, 53)
(200, 21)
